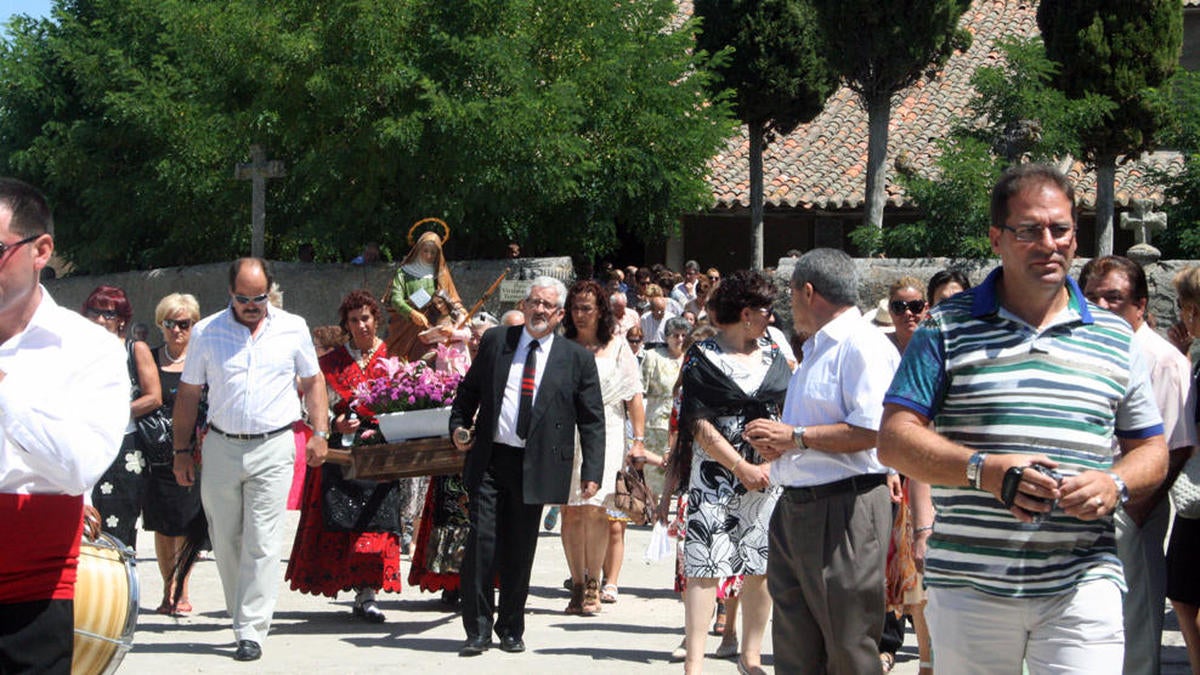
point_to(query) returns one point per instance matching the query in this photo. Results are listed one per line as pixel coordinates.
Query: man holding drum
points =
(64, 394)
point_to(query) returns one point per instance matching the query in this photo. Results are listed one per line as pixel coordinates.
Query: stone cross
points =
(1143, 221)
(257, 172)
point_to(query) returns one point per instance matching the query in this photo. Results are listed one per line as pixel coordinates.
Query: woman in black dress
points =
(171, 507)
(118, 495)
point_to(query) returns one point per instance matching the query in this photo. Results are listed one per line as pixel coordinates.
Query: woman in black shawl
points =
(729, 379)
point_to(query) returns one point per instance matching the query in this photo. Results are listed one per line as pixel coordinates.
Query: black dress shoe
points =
(248, 650)
(513, 645)
(475, 646)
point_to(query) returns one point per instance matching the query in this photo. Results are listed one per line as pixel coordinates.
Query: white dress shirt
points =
(1171, 381)
(652, 329)
(846, 369)
(64, 403)
(506, 426)
(251, 378)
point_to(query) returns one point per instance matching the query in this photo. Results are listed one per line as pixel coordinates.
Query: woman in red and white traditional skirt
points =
(328, 555)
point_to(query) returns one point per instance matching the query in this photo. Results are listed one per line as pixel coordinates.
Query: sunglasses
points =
(914, 306)
(107, 314)
(181, 324)
(5, 248)
(634, 341)
(714, 277)
(245, 300)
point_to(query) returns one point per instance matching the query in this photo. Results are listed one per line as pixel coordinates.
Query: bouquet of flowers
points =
(406, 386)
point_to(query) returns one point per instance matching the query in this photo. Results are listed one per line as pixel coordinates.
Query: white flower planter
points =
(410, 424)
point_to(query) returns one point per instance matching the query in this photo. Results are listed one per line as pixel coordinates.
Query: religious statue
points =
(425, 308)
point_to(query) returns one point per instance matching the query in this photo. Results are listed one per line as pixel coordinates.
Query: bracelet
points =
(637, 439)
(733, 468)
(186, 451)
(923, 528)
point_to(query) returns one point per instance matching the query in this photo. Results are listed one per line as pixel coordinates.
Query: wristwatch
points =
(798, 436)
(322, 434)
(1122, 488)
(975, 469)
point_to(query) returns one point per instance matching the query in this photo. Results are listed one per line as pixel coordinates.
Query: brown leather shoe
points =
(576, 604)
(591, 598)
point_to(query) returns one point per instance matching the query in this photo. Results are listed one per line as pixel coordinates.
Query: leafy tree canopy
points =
(547, 122)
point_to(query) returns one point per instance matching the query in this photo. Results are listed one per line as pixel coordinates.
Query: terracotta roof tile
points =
(823, 164)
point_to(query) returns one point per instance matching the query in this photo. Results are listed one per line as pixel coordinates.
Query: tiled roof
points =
(823, 164)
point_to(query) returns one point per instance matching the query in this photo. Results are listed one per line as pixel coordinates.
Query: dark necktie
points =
(525, 407)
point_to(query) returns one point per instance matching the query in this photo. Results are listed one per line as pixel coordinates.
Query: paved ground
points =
(315, 634)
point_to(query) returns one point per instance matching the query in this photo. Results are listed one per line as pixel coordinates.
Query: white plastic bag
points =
(661, 544)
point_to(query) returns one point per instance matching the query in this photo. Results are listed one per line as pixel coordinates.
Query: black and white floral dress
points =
(726, 532)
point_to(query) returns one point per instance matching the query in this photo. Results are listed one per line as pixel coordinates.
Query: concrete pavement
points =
(315, 634)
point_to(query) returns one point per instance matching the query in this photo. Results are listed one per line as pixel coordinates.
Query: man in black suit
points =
(521, 447)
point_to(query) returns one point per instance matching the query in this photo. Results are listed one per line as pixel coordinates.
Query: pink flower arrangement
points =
(407, 386)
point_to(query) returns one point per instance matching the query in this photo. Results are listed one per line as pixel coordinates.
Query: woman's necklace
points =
(364, 357)
(166, 351)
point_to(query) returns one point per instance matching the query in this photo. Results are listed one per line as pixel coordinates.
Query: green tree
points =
(776, 71)
(1181, 188)
(1122, 50)
(879, 48)
(1015, 115)
(547, 122)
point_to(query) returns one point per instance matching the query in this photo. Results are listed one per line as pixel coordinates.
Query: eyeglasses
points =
(634, 341)
(245, 300)
(94, 313)
(765, 311)
(544, 304)
(181, 324)
(1027, 233)
(900, 306)
(5, 248)
(714, 277)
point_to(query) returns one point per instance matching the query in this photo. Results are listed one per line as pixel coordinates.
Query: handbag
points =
(1185, 491)
(155, 436)
(358, 505)
(633, 497)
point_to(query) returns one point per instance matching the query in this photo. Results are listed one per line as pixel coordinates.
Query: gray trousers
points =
(244, 492)
(1141, 554)
(825, 572)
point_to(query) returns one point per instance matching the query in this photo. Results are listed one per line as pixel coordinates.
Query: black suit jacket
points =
(568, 397)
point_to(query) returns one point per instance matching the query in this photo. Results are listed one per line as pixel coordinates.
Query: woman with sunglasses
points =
(907, 308)
(170, 507)
(118, 496)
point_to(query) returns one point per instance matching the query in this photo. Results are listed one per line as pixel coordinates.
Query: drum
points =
(106, 605)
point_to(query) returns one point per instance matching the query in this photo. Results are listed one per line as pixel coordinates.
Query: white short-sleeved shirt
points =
(251, 378)
(1171, 381)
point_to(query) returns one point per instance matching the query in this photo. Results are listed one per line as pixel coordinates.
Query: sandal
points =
(719, 624)
(728, 647)
(591, 598)
(744, 669)
(888, 661)
(166, 608)
(608, 594)
(575, 606)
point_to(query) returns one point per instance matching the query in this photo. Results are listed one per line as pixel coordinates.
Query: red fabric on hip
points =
(39, 546)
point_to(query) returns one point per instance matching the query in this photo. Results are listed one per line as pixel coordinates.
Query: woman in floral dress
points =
(728, 380)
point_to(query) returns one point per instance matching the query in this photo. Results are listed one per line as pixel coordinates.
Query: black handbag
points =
(154, 435)
(358, 505)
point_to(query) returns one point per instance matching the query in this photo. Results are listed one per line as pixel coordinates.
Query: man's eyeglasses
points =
(181, 324)
(5, 248)
(900, 306)
(245, 300)
(1027, 233)
(94, 313)
(543, 304)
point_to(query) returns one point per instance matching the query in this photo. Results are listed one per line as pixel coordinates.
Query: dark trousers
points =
(37, 637)
(503, 538)
(825, 571)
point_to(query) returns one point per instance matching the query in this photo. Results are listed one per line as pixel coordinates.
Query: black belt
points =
(248, 437)
(855, 484)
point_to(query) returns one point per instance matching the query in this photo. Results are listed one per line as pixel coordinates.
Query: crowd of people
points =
(989, 462)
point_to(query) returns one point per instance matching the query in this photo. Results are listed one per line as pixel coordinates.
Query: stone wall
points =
(312, 290)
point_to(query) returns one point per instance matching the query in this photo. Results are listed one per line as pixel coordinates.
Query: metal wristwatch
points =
(975, 469)
(798, 437)
(1122, 488)
(322, 434)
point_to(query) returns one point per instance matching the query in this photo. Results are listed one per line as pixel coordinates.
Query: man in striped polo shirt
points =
(1016, 372)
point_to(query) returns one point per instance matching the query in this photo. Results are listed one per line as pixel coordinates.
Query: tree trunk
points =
(1106, 173)
(879, 112)
(756, 195)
